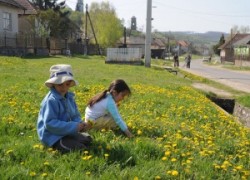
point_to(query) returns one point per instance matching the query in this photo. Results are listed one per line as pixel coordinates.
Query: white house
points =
(9, 10)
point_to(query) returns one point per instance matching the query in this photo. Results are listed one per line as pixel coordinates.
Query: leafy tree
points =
(52, 19)
(242, 29)
(108, 28)
(221, 41)
(48, 4)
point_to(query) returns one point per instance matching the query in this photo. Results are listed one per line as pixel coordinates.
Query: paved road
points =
(238, 80)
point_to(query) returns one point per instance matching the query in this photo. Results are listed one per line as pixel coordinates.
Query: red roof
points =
(183, 43)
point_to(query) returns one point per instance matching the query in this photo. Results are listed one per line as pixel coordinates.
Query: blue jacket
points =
(58, 117)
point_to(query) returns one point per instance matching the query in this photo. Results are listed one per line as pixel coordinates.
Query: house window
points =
(7, 21)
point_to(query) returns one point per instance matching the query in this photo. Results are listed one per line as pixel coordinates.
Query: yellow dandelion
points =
(44, 174)
(85, 158)
(164, 158)
(136, 178)
(157, 177)
(173, 160)
(89, 157)
(167, 153)
(9, 151)
(139, 132)
(175, 173)
(240, 167)
(187, 170)
(50, 149)
(217, 166)
(106, 156)
(46, 163)
(129, 124)
(85, 152)
(246, 173)
(108, 147)
(32, 173)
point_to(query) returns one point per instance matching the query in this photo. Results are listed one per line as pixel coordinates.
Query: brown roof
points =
(157, 44)
(183, 43)
(29, 9)
(243, 42)
(133, 40)
(233, 40)
(12, 3)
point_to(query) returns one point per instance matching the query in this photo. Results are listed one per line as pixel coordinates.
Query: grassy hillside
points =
(179, 133)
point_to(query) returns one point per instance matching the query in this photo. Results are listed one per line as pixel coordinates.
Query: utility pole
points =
(148, 34)
(86, 35)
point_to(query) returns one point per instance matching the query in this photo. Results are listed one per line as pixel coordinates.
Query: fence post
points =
(16, 40)
(5, 39)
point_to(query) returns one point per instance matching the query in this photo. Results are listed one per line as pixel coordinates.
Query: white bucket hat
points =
(60, 73)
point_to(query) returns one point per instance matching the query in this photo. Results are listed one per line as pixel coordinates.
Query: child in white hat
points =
(59, 122)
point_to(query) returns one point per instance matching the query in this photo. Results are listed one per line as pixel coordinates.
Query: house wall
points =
(14, 18)
(227, 55)
(24, 25)
(141, 46)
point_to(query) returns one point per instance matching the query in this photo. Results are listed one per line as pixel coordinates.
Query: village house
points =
(227, 49)
(242, 52)
(14, 26)
(9, 10)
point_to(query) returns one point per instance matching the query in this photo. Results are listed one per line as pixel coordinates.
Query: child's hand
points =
(82, 127)
(128, 133)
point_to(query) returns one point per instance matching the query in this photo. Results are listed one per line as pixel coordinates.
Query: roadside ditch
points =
(226, 102)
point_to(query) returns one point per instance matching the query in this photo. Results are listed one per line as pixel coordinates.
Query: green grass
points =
(179, 133)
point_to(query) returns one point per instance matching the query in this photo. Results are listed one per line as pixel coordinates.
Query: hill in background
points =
(208, 38)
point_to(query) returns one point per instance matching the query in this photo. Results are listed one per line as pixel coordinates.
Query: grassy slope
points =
(179, 133)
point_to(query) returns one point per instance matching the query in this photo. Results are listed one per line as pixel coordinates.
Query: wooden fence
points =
(23, 44)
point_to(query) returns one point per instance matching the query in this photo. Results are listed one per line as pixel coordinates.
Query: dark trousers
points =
(70, 143)
(176, 63)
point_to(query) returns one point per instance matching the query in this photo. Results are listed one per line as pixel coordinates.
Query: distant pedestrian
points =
(188, 60)
(210, 58)
(176, 60)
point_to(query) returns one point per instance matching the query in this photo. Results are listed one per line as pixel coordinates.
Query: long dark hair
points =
(117, 85)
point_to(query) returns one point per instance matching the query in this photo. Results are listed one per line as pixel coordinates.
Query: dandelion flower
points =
(157, 177)
(106, 156)
(139, 132)
(44, 174)
(9, 151)
(46, 163)
(175, 173)
(164, 158)
(32, 173)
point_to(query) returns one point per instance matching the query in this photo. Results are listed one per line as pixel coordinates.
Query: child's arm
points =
(113, 110)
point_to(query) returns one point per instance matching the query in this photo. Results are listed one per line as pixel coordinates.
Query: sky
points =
(182, 15)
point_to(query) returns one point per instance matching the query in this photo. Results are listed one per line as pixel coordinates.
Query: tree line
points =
(55, 19)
